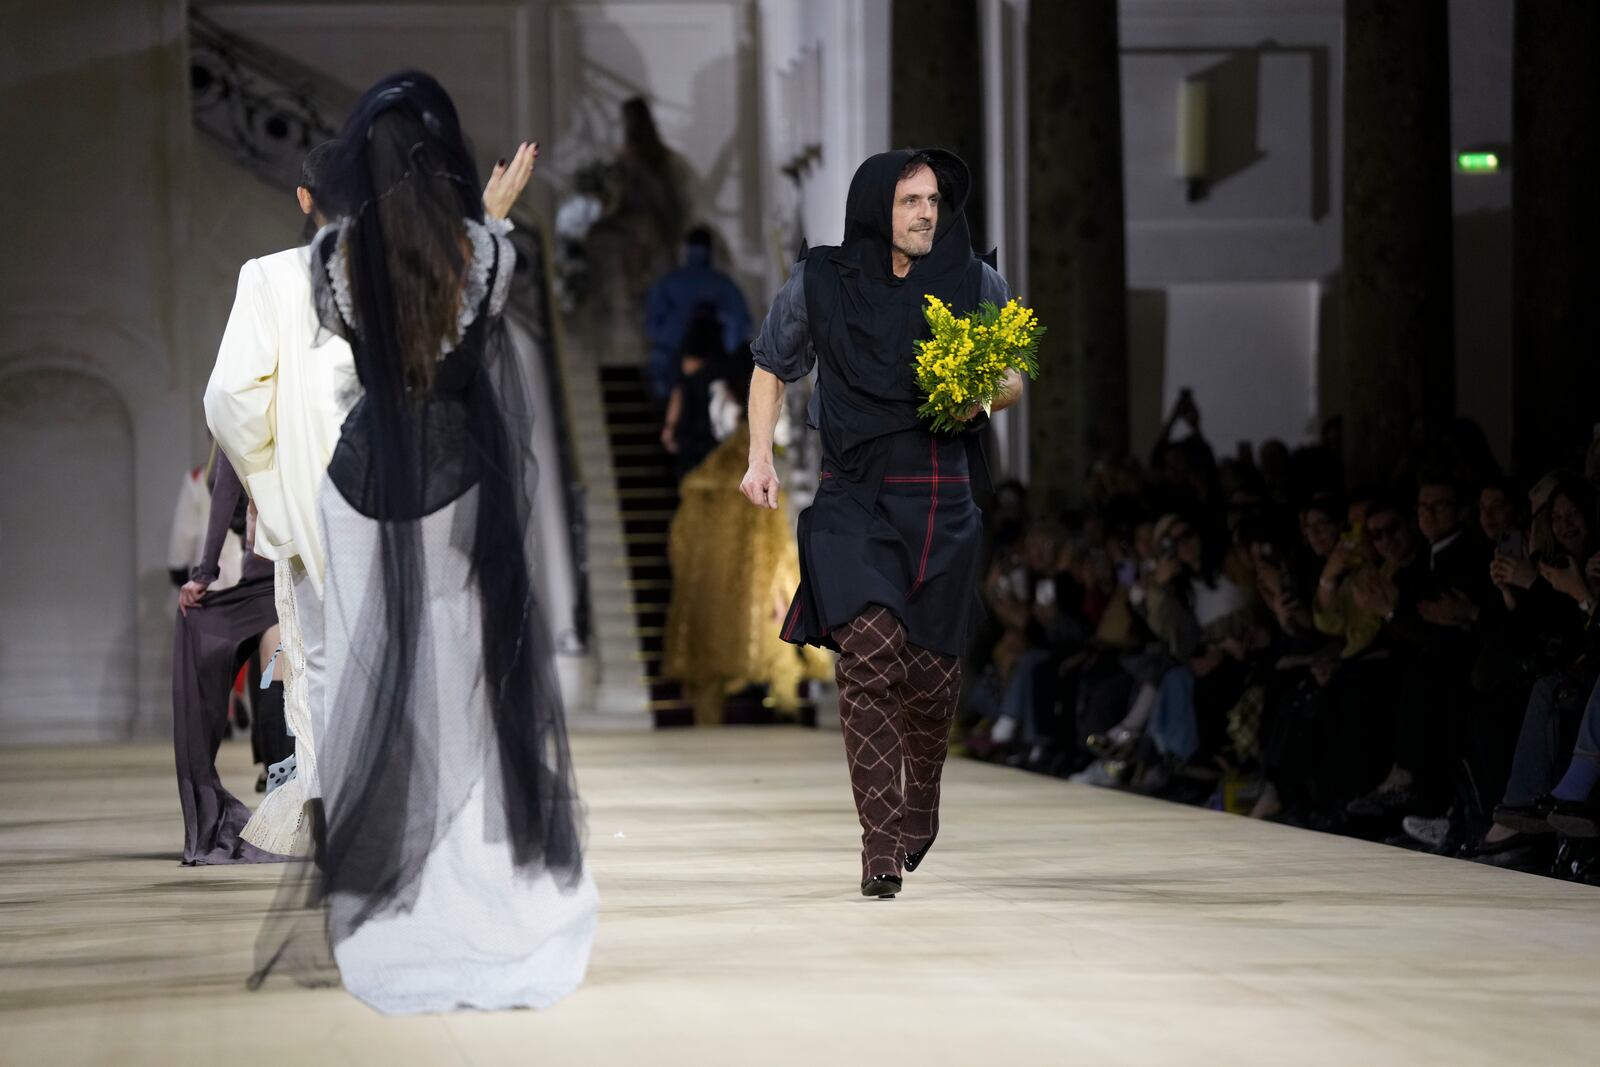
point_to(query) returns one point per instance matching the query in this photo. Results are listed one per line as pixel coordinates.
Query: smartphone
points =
(1045, 592)
(1510, 545)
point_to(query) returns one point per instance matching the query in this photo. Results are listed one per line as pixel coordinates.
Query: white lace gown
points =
(480, 934)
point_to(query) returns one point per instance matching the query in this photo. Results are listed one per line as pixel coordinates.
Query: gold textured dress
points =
(734, 569)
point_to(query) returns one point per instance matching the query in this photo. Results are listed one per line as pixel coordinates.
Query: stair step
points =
(631, 631)
(632, 609)
(639, 561)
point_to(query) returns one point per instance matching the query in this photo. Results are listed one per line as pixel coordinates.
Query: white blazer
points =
(277, 400)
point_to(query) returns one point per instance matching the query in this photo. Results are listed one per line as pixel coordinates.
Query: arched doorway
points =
(67, 570)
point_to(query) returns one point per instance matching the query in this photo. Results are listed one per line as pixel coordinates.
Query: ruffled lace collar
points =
(491, 249)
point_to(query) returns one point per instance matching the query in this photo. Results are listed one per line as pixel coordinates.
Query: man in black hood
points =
(889, 550)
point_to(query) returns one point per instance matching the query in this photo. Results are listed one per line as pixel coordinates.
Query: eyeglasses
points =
(1383, 533)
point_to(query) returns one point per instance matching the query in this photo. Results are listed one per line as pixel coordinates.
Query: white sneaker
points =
(1094, 774)
(1426, 831)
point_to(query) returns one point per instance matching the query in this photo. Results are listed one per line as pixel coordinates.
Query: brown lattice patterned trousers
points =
(895, 703)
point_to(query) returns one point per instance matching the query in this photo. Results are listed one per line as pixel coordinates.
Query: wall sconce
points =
(1193, 112)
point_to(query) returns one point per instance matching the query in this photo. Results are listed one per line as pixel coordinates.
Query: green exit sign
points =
(1478, 162)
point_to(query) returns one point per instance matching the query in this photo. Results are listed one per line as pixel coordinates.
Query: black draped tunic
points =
(895, 521)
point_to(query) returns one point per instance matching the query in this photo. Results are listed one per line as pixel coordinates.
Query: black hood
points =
(869, 212)
(865, 322)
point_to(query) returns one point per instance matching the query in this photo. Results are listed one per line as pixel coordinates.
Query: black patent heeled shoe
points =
(882, 886)
(914, 859)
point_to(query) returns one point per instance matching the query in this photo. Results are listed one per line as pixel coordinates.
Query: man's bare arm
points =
(760, 485)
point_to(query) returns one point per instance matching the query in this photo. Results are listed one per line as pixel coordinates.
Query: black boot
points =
(914, 859)
(882, 886)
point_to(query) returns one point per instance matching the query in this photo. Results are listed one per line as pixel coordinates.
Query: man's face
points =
(1391, 536)
(1320, 531)
(916, 213)
(1495, 514)
(1438, 512)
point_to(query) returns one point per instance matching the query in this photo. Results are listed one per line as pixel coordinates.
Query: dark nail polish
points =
(502, 161)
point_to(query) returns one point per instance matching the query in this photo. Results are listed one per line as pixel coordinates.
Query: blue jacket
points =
(673, 300)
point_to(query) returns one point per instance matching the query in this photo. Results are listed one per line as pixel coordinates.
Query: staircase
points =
(646, 493)
(646, 497)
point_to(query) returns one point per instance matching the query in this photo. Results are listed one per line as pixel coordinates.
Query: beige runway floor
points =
(1052, 924)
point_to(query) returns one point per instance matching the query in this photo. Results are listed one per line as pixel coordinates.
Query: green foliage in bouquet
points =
(966, 359)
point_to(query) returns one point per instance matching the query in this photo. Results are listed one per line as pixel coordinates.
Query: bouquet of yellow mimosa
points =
(966, 359)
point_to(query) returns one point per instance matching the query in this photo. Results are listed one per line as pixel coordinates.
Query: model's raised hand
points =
(508, 179)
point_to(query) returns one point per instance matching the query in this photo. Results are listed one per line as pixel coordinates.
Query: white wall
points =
(1255, 374)
(93, 99)
(851, 38)
(1262, 243)
(1234, 280)
(68, 614)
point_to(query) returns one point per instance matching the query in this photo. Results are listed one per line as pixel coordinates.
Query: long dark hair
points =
(1586, 501)
(409, 277)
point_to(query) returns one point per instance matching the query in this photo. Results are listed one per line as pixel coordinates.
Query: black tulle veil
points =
(443, 416)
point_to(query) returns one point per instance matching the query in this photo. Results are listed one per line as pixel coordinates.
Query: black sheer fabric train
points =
(412, 276)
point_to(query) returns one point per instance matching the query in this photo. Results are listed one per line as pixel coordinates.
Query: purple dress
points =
(209, 646)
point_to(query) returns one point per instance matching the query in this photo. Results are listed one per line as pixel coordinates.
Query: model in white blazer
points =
(277, 398)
